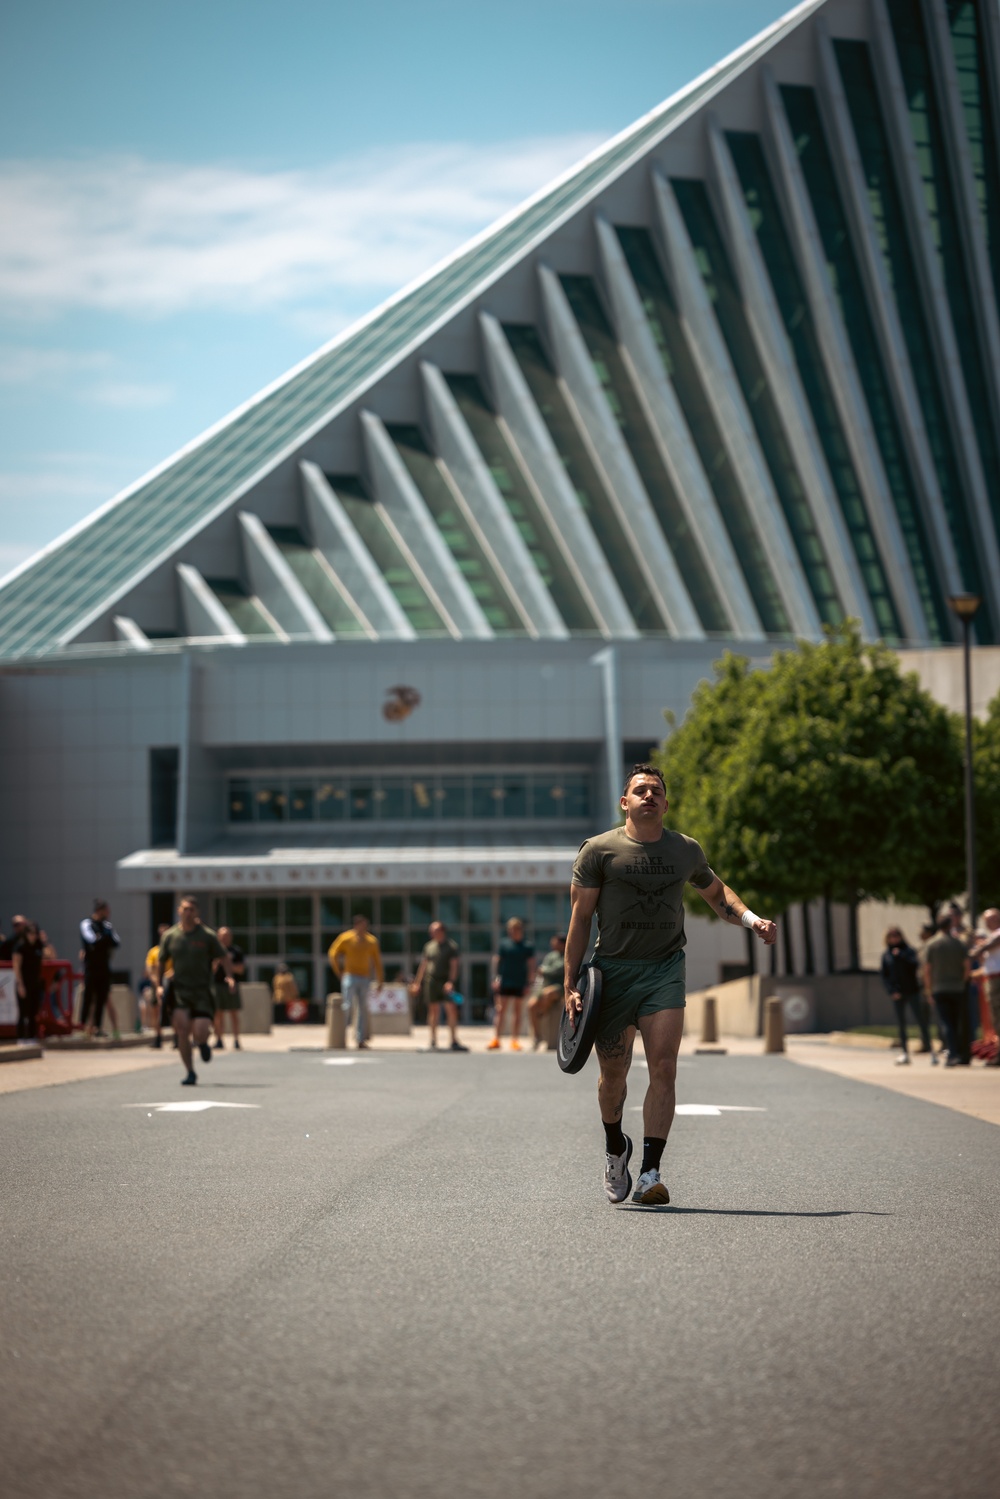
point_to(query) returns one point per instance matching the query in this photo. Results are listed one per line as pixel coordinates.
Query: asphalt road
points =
(400, 1278)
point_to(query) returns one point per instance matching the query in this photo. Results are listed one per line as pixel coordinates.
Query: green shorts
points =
(199, 1003)
(634, 987)
(226, 998)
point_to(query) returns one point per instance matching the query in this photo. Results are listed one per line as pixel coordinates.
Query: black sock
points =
(614, 1138)
(652, 1152)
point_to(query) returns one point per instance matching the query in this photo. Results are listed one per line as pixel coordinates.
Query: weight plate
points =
(576, 1040)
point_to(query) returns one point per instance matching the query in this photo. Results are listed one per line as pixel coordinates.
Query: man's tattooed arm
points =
(724, 902)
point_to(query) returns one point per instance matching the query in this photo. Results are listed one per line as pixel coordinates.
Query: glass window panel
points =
(429, 475)
(266, 942)
(240, 801)
(724, 293)
(266, 911)
(480, 941)
(520, 501)
(362, 801)
(394, 972)
(300, 801)
(391, 912)
(485, 801)
(237, 911)
(927, 130)
(313, 572)
(970, 46)
(271, 802)
(298, 910)
(583, 476)
(298, 942)
(547, 910)
(421, 912)
(548, 796)
(480, 910)
(244, 611)
(392, 941)
(845, 279)
(765, 217)
(854, 62)
(452, 797)
(576, 796)
(331, 801)
(370, 526)
(514, 903)
(327, 940)
(302, 973)
(418, 936)
(609, 367)
(331, 910)
(671, 339)
(395, 801)
(242, 941)
(513, 796)
(422, 797)
(450, 910)
(361, 905)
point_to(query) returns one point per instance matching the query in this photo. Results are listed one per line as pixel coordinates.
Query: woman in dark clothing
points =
(900, 977)
(27, 958)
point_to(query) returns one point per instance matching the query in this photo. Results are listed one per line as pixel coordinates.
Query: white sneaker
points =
(649, 1190)
(903, 1060)
(617, 1178)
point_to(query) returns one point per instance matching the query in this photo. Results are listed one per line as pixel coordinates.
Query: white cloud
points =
(143, 237)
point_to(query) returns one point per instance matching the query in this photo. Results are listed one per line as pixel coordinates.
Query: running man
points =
(193, 950)
(633, 877)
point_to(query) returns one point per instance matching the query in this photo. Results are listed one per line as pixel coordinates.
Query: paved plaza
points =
(395, 1274)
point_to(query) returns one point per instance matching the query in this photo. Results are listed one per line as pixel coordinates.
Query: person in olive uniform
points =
(193, 950)
(633, 879)
(436, 978)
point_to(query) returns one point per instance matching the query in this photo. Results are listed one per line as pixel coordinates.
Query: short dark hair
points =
(944, 925)
(98, 903)
(643, 770)
(188, 900)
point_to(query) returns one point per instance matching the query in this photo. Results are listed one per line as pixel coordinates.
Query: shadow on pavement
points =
(638, 1207)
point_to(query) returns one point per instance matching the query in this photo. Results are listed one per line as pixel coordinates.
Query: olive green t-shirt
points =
(640, 910)
(946, 957)
(439, 957)
(193, 955)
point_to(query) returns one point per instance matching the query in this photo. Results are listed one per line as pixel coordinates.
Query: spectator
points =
(227, 990)
(552, 970)
(356, 959)
(18, 924)
(26, 956)
(988, 951)
(515, 973)
(156, 1013)
(99, 940)
(900, 977)
(436, 976)
(284, 989)
(946, 973)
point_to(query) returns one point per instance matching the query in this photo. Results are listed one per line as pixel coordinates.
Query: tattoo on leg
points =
(613, 1048)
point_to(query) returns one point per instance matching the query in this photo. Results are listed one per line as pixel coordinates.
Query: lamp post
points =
(965, 606)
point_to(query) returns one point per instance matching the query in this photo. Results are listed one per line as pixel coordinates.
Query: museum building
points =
(383, 638)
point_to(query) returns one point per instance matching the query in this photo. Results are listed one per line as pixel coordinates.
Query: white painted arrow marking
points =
(713, 1109)
(349, 1061)
(195, 1106)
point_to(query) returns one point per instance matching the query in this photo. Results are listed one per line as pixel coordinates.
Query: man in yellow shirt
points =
(151, 1009)
(356, 959)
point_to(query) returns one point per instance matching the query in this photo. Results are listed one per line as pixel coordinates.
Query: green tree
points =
(986, 743)
(830, 774)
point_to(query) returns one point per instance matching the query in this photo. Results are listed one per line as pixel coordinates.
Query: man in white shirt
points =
(988, 952)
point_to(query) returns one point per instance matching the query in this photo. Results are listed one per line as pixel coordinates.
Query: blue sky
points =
(194, 196)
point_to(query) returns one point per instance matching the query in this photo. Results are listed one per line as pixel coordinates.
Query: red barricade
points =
(55, 1013)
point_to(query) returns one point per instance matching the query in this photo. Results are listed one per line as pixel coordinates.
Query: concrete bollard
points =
(709, 1021)
(336, 1024)
(774, 1026)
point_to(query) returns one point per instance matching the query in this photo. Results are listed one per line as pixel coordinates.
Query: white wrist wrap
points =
(748, 919)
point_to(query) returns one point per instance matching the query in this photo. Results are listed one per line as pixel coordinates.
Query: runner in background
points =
(153, 1013)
